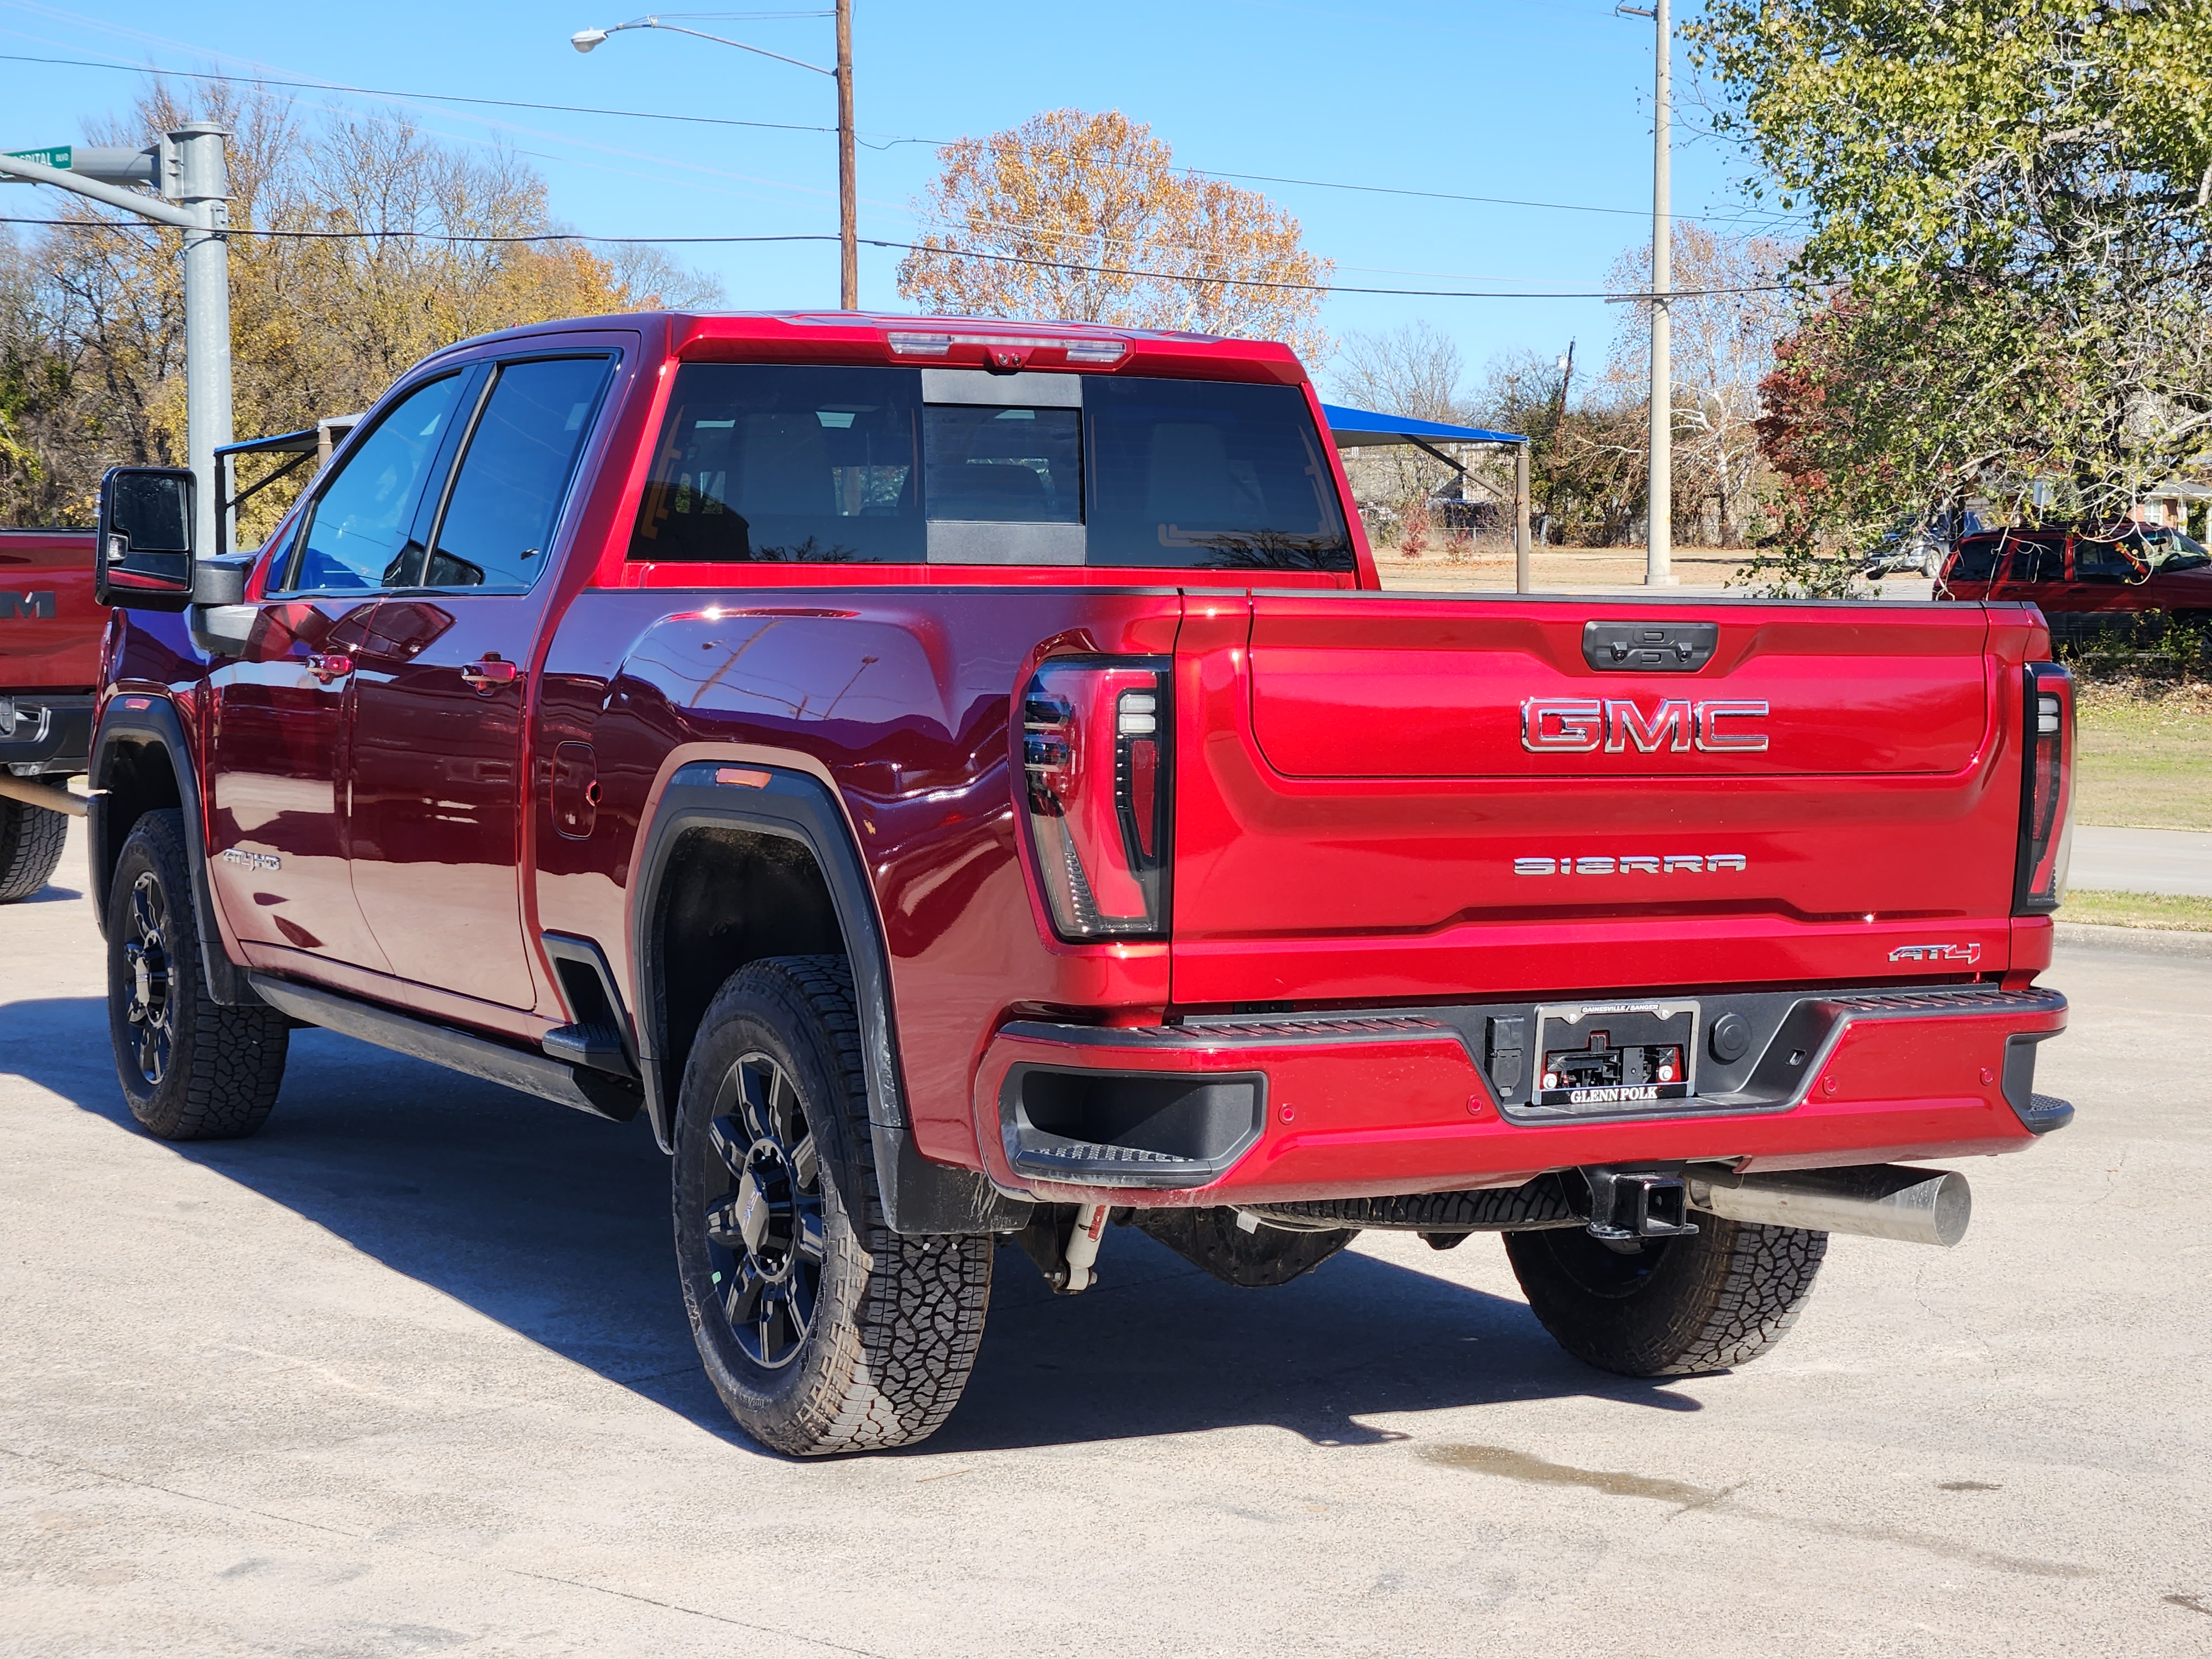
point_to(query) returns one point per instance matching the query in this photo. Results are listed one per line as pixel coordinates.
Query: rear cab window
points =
(832, 466)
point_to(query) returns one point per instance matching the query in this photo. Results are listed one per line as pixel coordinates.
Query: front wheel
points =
(821, 1329)
(190, 1068)
(1671, 1306)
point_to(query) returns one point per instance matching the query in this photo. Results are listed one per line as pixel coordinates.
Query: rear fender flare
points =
(919, 1195)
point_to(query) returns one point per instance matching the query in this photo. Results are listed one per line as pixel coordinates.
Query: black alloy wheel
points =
(765, 1234)
(192, 1068)
(148, 1006)
(823, 1330)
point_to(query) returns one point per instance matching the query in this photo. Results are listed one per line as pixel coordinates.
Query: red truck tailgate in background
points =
(1359, 820)
(1414, 688)
(50, 627)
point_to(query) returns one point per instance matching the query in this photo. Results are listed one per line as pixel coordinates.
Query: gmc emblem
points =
(26, 607)
(1580, 726)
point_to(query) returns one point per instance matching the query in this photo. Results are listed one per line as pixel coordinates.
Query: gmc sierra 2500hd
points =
(962, 782)
(50, 634)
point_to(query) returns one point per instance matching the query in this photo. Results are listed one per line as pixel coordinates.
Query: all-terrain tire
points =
(1675, 1307)
(31, 840)
(821, 1329)
(190, 1068)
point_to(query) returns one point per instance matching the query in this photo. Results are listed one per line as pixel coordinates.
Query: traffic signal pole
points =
(191, 168)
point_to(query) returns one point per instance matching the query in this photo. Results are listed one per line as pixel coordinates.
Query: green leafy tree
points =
(2008, 263)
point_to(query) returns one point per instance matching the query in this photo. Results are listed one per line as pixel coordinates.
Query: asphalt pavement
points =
(2140, 861)
(408, 1373)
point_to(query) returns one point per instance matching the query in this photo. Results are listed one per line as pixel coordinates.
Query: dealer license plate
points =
(1600, 1057)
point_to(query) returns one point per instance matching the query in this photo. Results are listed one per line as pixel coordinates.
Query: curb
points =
(2152, 941)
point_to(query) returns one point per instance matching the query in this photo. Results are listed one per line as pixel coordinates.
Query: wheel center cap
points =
(752, 1211)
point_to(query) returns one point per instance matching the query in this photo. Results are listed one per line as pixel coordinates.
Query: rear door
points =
(1390, 797)
(439, 776)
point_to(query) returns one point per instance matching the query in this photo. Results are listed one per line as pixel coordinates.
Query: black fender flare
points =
(919, 1195)
(149, 720)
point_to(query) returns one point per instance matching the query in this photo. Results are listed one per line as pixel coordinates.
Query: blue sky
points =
(1546, 100)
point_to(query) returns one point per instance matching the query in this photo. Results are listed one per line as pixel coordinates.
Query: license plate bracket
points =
(1598, 1058)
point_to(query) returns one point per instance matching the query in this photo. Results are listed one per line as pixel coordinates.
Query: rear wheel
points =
(821, 1329)
(1671, 1306)
(192, 1069)
(31, 841)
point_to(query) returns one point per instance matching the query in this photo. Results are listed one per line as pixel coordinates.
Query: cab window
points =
(499, 520)
(357, 537)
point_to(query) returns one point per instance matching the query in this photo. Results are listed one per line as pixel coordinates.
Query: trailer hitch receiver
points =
(1626, 1205)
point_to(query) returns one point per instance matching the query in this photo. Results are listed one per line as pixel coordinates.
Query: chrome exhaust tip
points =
(1875, 1200)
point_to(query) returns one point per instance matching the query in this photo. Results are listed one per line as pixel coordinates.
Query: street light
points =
(847, 201)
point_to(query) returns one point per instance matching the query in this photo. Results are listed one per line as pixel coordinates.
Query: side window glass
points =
(2037, 561)
(515, 474)
(769, 464)
(357, 537)
(1976, 562)
(2097, 561)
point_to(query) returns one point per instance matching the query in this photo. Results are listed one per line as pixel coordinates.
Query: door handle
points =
(491, 672)
(336, 665)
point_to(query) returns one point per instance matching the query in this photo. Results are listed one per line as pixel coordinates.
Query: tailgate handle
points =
(1640, 647)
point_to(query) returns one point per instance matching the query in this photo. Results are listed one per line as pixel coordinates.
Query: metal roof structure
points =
(1361, 429)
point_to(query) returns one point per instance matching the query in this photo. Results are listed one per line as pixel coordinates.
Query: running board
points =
(455, 1050)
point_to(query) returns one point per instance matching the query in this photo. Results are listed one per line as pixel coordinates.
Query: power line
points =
(888, 139)
(427, 97)
(1492, 201)
(917, 247)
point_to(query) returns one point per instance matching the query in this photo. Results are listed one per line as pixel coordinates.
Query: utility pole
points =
(849, 200)
(1659, 540)
(848, 273)
(191, 168)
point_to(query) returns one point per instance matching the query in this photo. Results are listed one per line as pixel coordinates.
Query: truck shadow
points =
(556, 1224)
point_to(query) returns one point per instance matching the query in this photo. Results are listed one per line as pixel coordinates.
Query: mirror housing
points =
(143, 558)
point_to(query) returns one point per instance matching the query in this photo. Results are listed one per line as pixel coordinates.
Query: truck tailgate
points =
(1382, 797)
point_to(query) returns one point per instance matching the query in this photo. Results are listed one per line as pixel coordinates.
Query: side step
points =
(456, 1050)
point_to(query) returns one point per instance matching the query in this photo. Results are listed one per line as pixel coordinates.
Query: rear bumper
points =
(1283, 1109)
(43, 732)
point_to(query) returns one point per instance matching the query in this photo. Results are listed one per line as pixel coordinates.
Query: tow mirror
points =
(144, 558)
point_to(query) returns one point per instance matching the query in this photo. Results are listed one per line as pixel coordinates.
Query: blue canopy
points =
(1357, 428)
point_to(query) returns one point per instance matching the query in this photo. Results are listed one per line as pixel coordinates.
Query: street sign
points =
(57, 157)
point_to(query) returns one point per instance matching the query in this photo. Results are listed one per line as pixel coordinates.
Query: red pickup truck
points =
(961, 781)
(2088, 582)
(50, 634)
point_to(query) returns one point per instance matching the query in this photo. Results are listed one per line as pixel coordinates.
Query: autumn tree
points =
(1086, 217)
(1589, 464)
(2010, 253)
(373, 268)
(1725, 330)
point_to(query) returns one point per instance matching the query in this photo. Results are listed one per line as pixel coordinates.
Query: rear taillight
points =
(2046, 829)
(1095, 750)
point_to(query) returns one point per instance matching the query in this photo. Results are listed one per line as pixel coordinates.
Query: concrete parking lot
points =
(408, 1373)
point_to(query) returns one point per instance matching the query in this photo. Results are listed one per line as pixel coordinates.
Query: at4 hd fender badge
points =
(240, 856)
(1967, 954)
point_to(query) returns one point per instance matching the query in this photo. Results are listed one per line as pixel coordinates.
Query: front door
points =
(278, 762)
(442, 685)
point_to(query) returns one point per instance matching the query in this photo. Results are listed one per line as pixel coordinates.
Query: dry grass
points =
(2146, 757)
